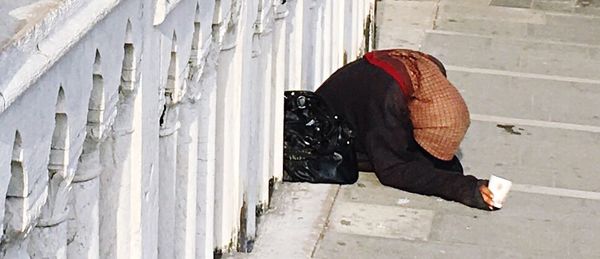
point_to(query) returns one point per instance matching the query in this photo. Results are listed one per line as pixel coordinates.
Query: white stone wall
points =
(153, 129)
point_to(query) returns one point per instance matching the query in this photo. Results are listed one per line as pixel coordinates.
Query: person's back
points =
(373, 101)
(363, 98)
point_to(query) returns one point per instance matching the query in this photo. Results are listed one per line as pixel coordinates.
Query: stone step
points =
(554, 28)
(566, 6)
(368, 190)
(529, 98)
(533, 155)
(453, 10)
(521, 236)
(579, 7)
(413, 17)
(514, 55)
(561, 224)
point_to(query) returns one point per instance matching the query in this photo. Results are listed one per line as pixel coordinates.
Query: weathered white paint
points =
(153, 129)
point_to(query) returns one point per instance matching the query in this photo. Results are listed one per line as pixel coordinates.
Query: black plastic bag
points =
(318, 145)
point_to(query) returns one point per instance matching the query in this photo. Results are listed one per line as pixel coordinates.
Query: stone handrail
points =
(153, 129)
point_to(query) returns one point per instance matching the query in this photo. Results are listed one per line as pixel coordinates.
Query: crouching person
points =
(392, 112)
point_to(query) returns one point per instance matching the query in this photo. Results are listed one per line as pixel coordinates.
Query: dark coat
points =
(371, 101)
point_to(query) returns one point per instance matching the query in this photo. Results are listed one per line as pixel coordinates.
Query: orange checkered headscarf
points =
(438, 112)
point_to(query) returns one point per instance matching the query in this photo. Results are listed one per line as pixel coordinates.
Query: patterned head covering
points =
(438, 112)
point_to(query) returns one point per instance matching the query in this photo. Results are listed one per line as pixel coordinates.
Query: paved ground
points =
(530, 73)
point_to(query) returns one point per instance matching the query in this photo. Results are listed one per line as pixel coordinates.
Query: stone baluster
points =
(168, 135)
(49, 238)
(84, 218)
(23, 205)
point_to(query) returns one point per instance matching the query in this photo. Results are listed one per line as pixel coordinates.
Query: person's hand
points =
(487, 196)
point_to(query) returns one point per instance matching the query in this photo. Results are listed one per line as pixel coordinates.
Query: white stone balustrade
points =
(153, 129)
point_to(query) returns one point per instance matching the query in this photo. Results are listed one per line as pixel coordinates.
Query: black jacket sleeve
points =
(400, 163)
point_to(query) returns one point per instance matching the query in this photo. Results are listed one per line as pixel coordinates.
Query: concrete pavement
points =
(529, 71)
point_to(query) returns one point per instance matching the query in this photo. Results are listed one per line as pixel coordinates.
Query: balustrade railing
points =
(153, 129)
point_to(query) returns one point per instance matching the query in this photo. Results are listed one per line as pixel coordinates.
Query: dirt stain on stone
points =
(584, 3)
(509, 128)
(362, 185)
(346, 222)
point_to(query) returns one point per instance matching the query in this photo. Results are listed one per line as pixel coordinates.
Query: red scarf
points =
(394, 67)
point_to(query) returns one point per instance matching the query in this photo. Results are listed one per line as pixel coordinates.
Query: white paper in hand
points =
(499, 187)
